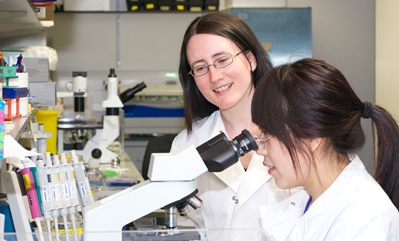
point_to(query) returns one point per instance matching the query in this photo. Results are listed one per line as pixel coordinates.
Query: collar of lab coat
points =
(245, 183)
(278, 219)
(341, 187)
(334, 196)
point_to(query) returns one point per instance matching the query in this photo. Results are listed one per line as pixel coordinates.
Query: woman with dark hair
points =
(309, 120)
(221, 62)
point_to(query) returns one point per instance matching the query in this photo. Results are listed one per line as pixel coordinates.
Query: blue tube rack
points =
(10, 93)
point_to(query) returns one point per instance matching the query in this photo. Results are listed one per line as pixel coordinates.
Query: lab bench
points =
(128, 164)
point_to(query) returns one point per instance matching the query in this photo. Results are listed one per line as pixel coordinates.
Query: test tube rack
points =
(11, 93)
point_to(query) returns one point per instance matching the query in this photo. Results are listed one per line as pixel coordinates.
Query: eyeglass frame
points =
(214, 65)
(262, 141)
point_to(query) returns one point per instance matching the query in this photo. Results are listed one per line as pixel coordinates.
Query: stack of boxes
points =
(12, 94)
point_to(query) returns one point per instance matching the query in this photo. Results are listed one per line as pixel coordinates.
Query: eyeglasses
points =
(262, 141)
(219, 63)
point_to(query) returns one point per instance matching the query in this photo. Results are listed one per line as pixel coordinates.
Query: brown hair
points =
(228, 26)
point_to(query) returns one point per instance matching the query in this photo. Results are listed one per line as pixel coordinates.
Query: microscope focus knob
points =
(96, 153)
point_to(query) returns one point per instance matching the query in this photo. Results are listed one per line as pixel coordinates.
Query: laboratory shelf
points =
(137, 12)
(17, 18)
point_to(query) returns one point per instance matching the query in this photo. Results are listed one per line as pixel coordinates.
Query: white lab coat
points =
(230, 198)
(354, 207)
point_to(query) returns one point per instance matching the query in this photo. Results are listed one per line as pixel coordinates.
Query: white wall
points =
(147, 41)
(135, 44)
(387, 52)
(344, 34)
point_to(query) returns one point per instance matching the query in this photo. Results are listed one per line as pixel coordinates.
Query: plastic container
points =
(11, 55)
(21, 81)
(8, 72)
(15, 92)
(49, 118)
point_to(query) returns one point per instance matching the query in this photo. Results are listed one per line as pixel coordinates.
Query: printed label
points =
(65, 192)
(46, 191)
(56, 192)
(72, 190)
(83, 189)
(26, 181)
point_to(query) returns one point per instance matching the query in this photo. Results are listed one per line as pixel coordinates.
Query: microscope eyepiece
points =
(244, 143)
(220, 153)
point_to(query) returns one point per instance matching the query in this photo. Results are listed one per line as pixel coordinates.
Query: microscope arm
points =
(102, 139)
(183, 166)
(129, 205)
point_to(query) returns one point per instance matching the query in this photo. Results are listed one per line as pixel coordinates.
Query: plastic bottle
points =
(95, 176)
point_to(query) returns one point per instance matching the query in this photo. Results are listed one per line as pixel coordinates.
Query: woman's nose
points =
(261, 151)
(215, 74)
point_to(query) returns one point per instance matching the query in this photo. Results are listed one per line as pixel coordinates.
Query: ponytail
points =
(387, 163)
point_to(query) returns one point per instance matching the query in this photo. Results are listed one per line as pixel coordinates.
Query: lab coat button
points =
(236, 201)
(292, 203)
(234, 197)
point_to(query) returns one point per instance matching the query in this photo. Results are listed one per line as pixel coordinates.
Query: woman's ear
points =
(314, 143)
(252, 60)
(255, 130)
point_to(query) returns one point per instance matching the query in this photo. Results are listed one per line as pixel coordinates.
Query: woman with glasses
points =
(221, 62)
(310, 122)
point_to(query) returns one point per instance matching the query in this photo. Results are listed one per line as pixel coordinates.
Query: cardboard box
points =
(38, 69)
(43, 94)
(45, 12)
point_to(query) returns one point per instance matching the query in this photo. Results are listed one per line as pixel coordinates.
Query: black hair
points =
(310, 98)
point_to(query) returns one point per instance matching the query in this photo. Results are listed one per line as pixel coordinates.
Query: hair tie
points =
(368, 110)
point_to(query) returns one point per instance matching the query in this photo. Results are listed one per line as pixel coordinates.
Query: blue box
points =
(14, 92)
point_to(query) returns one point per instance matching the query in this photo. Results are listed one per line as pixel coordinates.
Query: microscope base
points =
(184, 234)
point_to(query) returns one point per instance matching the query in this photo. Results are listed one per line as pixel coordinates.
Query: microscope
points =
(90, 136)
(171, 186)
(73, 132)
(111, 121)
